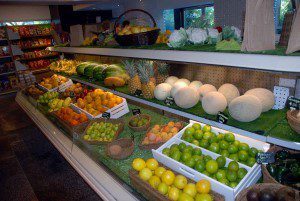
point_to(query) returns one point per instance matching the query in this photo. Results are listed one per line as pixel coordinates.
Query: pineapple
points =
(147, 85)
(134, 82)
(149, 66)
(163, 72)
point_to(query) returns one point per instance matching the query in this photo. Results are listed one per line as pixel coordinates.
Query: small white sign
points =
(281, 96)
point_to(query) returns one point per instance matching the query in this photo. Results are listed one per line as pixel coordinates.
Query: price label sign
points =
(259, 132)
(138, 93)
(293, 103)
(222, 118)
(136, 111)
(265, 158)
(169, 101)
(106, 115)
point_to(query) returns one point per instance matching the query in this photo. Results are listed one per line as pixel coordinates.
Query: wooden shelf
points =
(8, 91)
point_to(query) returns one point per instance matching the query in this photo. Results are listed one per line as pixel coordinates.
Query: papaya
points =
(114, 81)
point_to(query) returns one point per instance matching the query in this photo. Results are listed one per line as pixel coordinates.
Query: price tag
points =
(293, 103)
(222, 118)
(169, 101)
(106, 115)
(136, 111)
(38, 86)
(260, 132)
(265, 158)
(138, 93)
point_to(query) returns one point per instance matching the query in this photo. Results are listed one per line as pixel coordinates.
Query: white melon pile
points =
(214, 102)
(171, 80)
(266, 97)
(196, 85)
(162, 91)
(186, 97)
(204, 89)
(229, 91)
(178, 85)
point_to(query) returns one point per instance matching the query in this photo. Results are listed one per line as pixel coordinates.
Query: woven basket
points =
(127, 146)
(290, 194)
(294, 122)
(141, 128)
(139, 39)
(152, 194)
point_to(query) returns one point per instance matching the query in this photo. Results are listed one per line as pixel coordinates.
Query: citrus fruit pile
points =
(175, 187)
(223, 143)
(101, 132)
(205, 164)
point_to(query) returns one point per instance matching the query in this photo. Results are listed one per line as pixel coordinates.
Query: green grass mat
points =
(283, 131)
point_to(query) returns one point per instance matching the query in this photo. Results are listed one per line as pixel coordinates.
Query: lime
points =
(224, 181)
(206, 173)
(233, 166)
(221, 160)
(243, 155)
(214, 147)
(197, 158)
(207, 135)
(196, 126)
(189, 131)
(176, 155)
(200, 166)
(197, 151)
(174, 147)
(166, 151)
(220, 136)
(211, 166)
(253, 151)
(195, 142)
(221, 174)
(243, 146)
(251, 161)
(229, 137)
(198, 134)
(203, 197)
(191, 163)
(206, 128)
(232, 149)
(223, 144)
(182, 146)
(233, 184)
(185, 156)
(188, 139)
(207, 158)
(189, 149)
(234, 157)
(236, 143)
(224, 153)
(204, 143)
(241, 173)
(231, 175)
(213, 139)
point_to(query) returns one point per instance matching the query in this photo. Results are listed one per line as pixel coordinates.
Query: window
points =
(281, 7)
(191, 15)
(168, 16)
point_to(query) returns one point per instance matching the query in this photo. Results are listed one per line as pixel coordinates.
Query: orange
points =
(203, 186)
(138, 164)
(168, 177)
(152, 164)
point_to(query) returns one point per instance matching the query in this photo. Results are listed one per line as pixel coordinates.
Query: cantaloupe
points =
(114, 81)
(176, 87)
(245, 108)
(186, 97)
(214, 102)
(171, 80)
(229, 91)
(183, 80)
(204, 89)
(266, 97)
(162, 91)
(196, 85)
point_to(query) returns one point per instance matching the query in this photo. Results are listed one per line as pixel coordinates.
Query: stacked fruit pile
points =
(101, 132)
(33, 91)
(47, 97)
(223, 143)
(57, 104)
(75, 90)
(229, 175)
(64, 66)
(128, 30)
(71, 117)
(53, 81)
(175, 187)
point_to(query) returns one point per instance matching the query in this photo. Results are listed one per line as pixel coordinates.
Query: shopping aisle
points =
(30, 167)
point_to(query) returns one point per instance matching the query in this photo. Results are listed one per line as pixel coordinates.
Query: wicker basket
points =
(152, 194)
(141, 128)
(127, 146)
(290, 194)
(139, 39)
(293, 120)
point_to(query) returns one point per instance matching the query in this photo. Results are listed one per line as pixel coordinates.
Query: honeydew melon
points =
(162, 91)
(214, 102)
(204, 89)
(171, 80)
(196, 85)
(266, 97)
(245, 108)
(183, 80)
(176, 87)
(229, 91)
(186, 97)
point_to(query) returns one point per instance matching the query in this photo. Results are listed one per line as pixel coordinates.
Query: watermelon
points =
(80, 68)
(98, 72)
(88, 70)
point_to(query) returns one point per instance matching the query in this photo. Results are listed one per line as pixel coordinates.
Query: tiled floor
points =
(30, 166)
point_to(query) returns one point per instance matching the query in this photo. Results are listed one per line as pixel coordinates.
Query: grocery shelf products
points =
(53, 82)
(71, 117)
(32, 30)
(47, 97)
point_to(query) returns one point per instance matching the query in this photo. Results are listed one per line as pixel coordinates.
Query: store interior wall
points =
(15, 13)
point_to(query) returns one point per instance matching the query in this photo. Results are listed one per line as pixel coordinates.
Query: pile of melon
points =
(243, 108)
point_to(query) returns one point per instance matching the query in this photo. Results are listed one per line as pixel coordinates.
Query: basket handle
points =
(131, 10)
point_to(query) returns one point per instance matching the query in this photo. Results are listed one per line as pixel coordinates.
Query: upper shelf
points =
(253, 61)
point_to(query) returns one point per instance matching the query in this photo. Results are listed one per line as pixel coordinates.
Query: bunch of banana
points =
(57, 104)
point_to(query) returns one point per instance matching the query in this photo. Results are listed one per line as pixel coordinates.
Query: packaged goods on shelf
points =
(2, 33)
(31, 31)
(27, 78)
(6, 67)
(4, 51)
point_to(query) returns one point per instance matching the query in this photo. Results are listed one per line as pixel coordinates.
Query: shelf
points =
(43, 70)
(7, 73)
(5, 57)
(35, 36)
(107, 187)
(34, 47)
(252, 61)
(8, 92)
(38, 58)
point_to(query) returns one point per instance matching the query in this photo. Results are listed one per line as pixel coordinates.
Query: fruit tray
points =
(153, 194)
(60, 88)
(94, 142)
(229, 193)
(115, 112)
(141, 128)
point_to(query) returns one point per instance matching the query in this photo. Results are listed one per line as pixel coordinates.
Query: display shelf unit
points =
(8, 73)
(8, 91)
(252, 61)
(94, 174)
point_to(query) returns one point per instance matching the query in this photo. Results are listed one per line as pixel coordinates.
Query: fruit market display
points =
(75, 90)
(56, 104)
(101, 132)
(71, 117)
(53, 81)
(47, 97)
(146, 74)
(138, 121)
(229, 175)
(134, 82)
(164, 37)
(162, 133)
(128, 30)
(38, 54)
(268, 194)
(224, 144)
(7, 67)
(32, 30)
(173, 186)
(34, 91)
(98, 101)
(43, 63)
(64, 66)
(35, 43)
